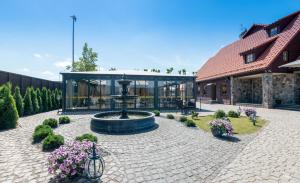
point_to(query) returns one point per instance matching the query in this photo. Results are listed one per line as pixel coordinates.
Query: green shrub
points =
(28, 108)
(50, 105)
(54, 104)
(44, 96)
(19, 101)
(34, 100)
(233, 114)
(64, 120)
(8, 110)
(51, 122)
(53, 142)
(182, 118)
(156, 112)
(39, 98)
(190, 123)
(194, 114)
(170, 116)
(57, 98)
(41, 132)
(220, 114)
(88, 137)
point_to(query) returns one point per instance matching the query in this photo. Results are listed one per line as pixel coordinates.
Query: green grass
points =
(241, 125)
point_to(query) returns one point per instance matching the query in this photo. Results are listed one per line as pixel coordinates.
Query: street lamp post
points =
(74, 20)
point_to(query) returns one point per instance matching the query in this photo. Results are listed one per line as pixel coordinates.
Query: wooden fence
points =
(24, 81)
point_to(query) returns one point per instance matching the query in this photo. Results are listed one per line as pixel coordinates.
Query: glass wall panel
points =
(168, 94)
(145, 93)
(100, 91)
(77, 94)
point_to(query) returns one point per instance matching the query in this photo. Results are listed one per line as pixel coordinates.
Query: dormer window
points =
(274, 31)
(250, 58)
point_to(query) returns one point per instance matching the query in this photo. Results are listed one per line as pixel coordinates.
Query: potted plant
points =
(219, 127)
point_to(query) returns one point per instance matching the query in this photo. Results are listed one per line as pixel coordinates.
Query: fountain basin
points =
(109, 122)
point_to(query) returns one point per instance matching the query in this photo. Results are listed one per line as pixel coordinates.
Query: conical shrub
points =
(35, 102)
(39, 98)
(50, 105)
(45, 99)
(54, 103)
(19, 101)
(28, 108)
(8, 110)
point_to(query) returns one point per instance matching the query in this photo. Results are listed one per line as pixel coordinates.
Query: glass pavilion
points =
(93, 90)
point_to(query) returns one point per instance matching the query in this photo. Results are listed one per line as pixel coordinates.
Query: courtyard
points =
(170, 153)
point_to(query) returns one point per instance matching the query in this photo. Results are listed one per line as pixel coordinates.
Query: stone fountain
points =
(123, 121)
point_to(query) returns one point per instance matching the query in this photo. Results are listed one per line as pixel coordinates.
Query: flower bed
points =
(68, 161)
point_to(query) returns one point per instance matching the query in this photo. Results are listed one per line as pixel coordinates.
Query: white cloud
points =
(63, 64)
(36, 55)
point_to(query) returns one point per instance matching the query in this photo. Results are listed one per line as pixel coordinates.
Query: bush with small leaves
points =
(88, 137)
(8, 110)
(51, 122)
(64, 120)
(233, 114)
(220, 114)
(19, 101)
(53, 142)
(190, 123)
(194, 114)
(41, 132)
(156, 112)
(170, 116)
(182, 118)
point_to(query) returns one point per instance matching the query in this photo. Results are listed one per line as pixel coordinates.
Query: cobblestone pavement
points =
(273, 156)
(170, 153)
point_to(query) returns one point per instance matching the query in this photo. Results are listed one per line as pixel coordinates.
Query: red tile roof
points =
(229, 61)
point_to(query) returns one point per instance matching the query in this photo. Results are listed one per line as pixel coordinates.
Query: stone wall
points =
(284, 88)
(267, 86)
(248, 90)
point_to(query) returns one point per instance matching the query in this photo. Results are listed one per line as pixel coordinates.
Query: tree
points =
(87, 62)
(8, 110)
(50, 105)
(19, 101)
(170, 70)
(54, 104)
(183, 71)
(57, 98)
(39, 97)
(35, 102)
(45, 99)
(28, 108)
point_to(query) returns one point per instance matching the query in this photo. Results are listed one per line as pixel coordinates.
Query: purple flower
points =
(223, 125)
(249, 111)
(69, 159)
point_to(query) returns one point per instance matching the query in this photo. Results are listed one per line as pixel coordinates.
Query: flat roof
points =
(126, 72)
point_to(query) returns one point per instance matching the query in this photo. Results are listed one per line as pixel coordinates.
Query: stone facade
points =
(284, 89)
(247, 90)
(267, 89)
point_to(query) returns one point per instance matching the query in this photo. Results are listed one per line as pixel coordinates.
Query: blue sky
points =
(127, 34)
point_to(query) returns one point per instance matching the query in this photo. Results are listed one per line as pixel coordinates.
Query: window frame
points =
(249, 58)
(272, 32)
